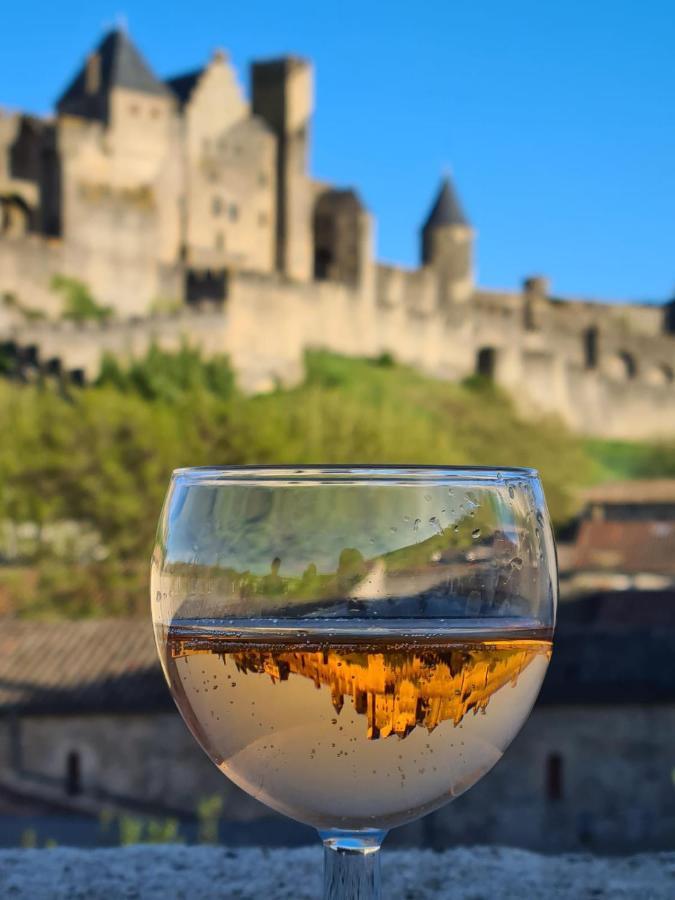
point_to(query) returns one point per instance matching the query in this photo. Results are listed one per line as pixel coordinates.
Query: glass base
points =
(351, 864)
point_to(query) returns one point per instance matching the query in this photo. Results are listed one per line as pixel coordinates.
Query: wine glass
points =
(354, 646)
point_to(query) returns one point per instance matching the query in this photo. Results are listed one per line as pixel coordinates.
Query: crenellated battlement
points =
(186, 194)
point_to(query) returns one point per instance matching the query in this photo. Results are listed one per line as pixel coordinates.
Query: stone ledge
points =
(170, 871)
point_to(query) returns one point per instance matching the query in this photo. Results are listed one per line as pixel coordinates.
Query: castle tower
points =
(115, 66)
(282, 95)
(447, 243)
(120, 176)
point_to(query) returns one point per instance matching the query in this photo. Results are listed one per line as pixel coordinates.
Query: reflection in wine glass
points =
(354, 646)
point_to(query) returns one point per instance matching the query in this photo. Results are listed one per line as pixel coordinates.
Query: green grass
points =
(619, 460)
(103, 454)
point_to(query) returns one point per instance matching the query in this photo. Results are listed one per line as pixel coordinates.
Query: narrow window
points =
(233, 212)
(220, 241)
(591, 347)
(216, 206)
(73, 774)
(629, 364)
(554, 777)
(262, 219)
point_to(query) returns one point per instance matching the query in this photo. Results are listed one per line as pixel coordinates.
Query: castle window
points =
(219, 242)
(591, 347)
(554, 777)
(323, 260)
(233, 212)
(92, 75)
(262, 219)
(216, 206)
(628, 363)
(73, 780)
(621, 366)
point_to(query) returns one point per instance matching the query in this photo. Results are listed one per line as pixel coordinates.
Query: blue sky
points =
(557, 120)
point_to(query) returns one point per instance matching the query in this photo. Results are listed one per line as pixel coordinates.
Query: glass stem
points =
(351, 865)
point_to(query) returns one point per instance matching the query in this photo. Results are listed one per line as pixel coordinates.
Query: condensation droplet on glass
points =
(433, 521)
(393, 529)
(475, 534)
(427, 497)
(416, 524)
(436, 556)
(406, 518)
(456, 529)
(512, 492)
(516, 563)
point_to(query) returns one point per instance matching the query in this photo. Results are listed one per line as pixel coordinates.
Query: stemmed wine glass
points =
(354, 646)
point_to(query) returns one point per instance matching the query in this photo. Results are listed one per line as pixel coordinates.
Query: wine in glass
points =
(354, 646)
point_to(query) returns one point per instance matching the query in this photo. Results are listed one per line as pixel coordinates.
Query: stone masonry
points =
(189, 209)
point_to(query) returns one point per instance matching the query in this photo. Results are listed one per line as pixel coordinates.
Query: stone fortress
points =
(190, 211)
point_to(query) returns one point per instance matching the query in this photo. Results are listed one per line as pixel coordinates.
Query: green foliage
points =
(169, 376)
(625, 459)
(165, 306)
(78, 303)
(208, 815)
(136, 830)
(103, 455)
(29, 839)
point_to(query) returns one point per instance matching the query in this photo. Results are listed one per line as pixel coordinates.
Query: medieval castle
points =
(188, 209)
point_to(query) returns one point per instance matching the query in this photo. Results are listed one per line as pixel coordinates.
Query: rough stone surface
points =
(187, 872)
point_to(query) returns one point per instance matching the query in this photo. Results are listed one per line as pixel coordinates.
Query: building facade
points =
(87, 725)
(187, 195)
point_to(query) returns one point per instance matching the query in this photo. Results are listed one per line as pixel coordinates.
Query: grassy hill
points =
(102, 455)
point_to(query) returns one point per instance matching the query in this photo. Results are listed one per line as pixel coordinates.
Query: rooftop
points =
(656, 490)
(611, 648)
(85, 666)
(183, 85)
(625, 546)
(119, 64)
(446, 210)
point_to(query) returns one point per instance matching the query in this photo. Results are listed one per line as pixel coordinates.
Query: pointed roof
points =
(447, 209)
(183, 85)
(120, 65)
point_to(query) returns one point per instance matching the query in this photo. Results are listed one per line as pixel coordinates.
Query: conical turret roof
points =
(447, 210)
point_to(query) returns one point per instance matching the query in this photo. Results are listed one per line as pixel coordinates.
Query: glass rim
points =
(351, 474)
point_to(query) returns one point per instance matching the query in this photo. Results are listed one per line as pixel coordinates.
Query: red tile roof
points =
(625, 547)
